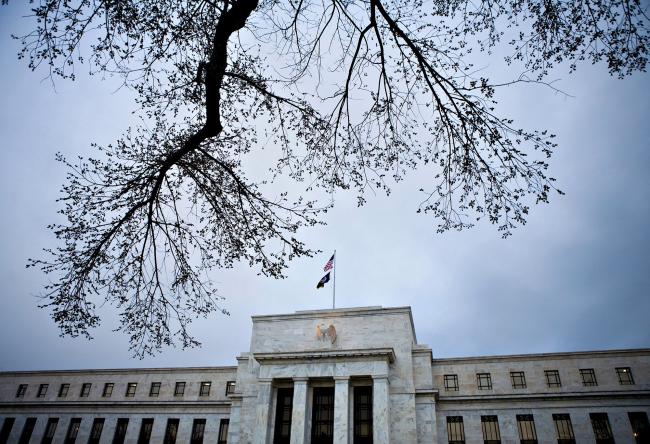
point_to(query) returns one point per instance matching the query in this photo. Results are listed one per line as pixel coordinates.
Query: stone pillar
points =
(299, 411)
(380, 410)
(262, 411)
(341, 413)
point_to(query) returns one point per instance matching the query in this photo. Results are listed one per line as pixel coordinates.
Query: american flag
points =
(330, 264)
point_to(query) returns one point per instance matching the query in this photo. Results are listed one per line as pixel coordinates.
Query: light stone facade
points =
(372, 347)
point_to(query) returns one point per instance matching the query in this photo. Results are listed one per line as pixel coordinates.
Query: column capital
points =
(379, 377)
(300, 379)
(341, 378)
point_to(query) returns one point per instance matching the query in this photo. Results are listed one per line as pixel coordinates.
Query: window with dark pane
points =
(198, 430)
(108, 390)
(42, 390)
(223, 431)
(131, 387)
(362, 408)
(455, 430)
(205, 388)
(146, 426)
(179, 390)
(22, 388)
(63, 390)
(154, 390)
(564, 428)
(451, 383)
(28, 429)
(490, 428)
(85, 390)
(484, 381)
(624, 376)
(171, 431)
(518, 380)
(552, 378)
(230, 387)
(322, 422)
(640, 427)
(7, 425)
(96, 431)
(50, 430)
(283, 411)
(588, 376)
(602, 429)
(73, 431)
(120, 430)
(526, 427)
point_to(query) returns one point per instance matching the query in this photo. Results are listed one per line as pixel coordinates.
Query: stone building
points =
(339, 376)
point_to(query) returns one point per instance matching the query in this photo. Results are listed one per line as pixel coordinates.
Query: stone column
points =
(341, 413)
(262, 411)
(299, 411)
(380, 410)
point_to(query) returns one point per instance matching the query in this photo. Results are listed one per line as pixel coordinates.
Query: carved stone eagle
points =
(324, 333)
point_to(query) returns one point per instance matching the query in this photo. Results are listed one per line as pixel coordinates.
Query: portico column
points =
(262, 411)
(380, 410)
(299, 410)
(341, 415)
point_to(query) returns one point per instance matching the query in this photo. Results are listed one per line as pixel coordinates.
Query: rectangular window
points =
(205, 388)
(96, 431)
(588, 377)
(179, 390)
(363, 415)
(50, 429)
(490, 428)
(283, 409)
(322, 422)
(451, 383)
(527, 432)
(155, 389)
(145, 431)
(602, 429)
(230, 387)
(20, 393)
(624, 376)
(63, 390)
(120, 430)
(640, 427)
(85, 390)
(198, 429)
(223, 431)
(552, 378)
(7, 425)
(171, 431)
(108, 390)
(42, 390)
(73, 431)
(455, 430)
(518, 380)
(130, 389)
(28, 429)
(484, 381)
(564, 428)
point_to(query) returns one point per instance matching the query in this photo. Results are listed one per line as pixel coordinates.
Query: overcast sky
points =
(576, 277)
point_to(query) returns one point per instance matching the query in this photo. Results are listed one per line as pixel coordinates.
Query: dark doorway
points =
(322, 420)
(283, 411)
(363, 415)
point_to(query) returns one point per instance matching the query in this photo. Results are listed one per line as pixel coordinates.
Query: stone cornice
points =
(636, 394)
(311, 355)
(544, 356)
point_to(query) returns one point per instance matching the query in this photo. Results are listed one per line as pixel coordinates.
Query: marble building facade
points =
(345, 376)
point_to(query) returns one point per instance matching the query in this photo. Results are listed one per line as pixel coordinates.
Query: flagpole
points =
(334, 284)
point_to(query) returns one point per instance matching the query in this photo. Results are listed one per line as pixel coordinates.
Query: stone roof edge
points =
(387, 353)
(540, 356)
(220, 369)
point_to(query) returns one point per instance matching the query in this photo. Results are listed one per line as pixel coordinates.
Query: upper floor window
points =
(640, 426)
(223, 431)
(85, 390)
(96, 431)
(552, 378)
(20, 393)
(484, 381)
(230, 387)
(455, 430)
(518, 380)
(527, 432)
(108, 390)
(588, 377)
(42, 390)
(602, 429)
(625, 375)
(50, 429)
(155, 389)
(490, 428)
(63, 390)
(130, 389)
(179, 390)
(171, 431)
(198, 430)
(451, 383)
(205, 388)
(564, 428)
